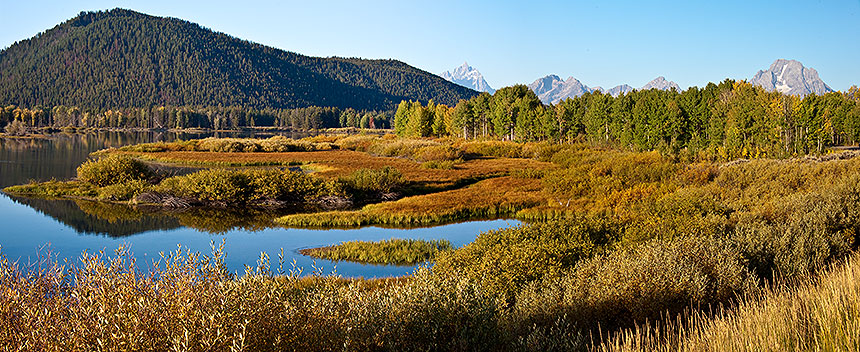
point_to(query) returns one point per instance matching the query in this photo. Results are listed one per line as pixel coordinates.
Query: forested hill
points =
(122, 58)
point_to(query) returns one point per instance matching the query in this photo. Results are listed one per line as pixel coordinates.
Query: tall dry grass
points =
(820, 314)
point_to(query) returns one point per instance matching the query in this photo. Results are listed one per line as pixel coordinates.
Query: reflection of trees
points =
(99, 218)
(223, 220)
(118, 220)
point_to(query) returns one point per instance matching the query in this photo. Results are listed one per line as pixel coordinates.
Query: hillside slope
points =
(122, 58)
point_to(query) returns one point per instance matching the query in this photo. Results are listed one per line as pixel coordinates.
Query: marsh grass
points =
(490, 198)
(391, 251)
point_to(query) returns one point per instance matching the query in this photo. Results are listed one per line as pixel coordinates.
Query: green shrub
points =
(383, 180)
(212, 185)
(113, 169)
(124, 191)
(287, 185)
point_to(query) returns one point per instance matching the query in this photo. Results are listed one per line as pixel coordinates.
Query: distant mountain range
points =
(785, 76)
(469, 77)
(552, 89)
(122, 58)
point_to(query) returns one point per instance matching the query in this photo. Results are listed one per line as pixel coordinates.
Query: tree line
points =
(732, 119)
(170, 117)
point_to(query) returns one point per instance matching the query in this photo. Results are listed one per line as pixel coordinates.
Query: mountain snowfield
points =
(468, 77)
(785, 76)
(790, 77)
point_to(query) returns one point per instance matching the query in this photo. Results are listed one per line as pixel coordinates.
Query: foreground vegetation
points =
(618, 240)
(819, 314)
(393, 251)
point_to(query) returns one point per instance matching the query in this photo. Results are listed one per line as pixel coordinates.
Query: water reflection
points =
(73, 226)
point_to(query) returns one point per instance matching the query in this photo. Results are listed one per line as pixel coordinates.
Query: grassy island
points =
(393, 251)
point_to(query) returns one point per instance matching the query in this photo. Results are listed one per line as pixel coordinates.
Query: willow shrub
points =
(503, 261)
(382, 180)
(113, 169)
(123, 191)
(638, 284)
(227, 186)
(188, 302)
(499, 149)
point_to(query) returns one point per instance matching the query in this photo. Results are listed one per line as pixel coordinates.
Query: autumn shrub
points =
(189, 302)
(503, 261)
(802, 232)
(359, 142)
(226, 186)
(286, 185)
(112, 170)
(211, 185)
(382, 180)
(529, 173)
(284, 144)
(156, 147)
(637, 285)
(16, 128)
(123, 191)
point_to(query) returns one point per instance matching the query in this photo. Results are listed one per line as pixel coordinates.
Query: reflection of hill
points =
(99, 218)
(117, 220)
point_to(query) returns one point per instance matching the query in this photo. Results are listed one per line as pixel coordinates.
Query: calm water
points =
(29, 226)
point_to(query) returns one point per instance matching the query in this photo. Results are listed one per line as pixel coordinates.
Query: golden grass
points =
(392, 251)
(822, 314)
(342, 163)
(495, 197)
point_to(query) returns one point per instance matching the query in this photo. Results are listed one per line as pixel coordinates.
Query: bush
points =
(382, 180)
(357, 142)
(638, 284)
(438, 153)
(124, 191)
(286, 185)
(503, 261)
(212, 185)
(401, 147)
(113, 169)
(16, 128)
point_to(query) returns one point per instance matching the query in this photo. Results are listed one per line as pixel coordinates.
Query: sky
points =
(601, 43)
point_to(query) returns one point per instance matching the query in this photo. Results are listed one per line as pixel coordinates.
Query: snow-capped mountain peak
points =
(468, 76)
(790, 77)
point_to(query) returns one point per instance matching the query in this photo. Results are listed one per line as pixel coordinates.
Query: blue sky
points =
(602, 43)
